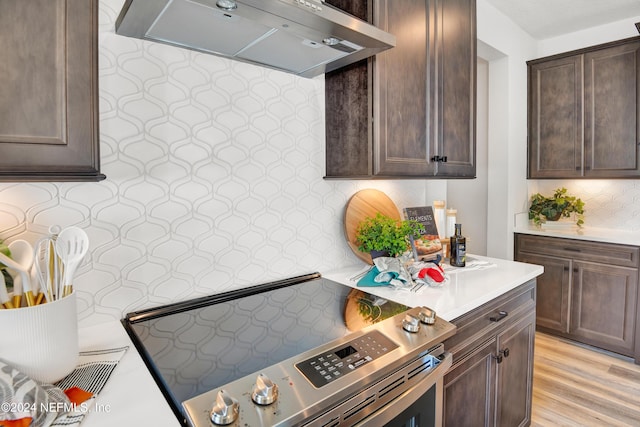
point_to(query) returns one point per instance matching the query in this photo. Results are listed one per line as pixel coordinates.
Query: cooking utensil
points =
(72, 245)
(22, 253)
(4, 295)
(47, 263)
(363, 204)
(22, 261)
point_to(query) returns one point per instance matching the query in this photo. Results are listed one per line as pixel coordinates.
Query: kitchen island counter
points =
(468, 287)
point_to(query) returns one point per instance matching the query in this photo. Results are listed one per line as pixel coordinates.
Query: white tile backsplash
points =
(214, 180)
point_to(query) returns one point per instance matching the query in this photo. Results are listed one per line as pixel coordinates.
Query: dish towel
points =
(28, 403)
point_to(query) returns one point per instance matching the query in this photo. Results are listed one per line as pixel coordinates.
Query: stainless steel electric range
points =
(304, 351)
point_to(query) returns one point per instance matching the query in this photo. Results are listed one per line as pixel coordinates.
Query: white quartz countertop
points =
(131, 396)
(467, 288)
(622, 237)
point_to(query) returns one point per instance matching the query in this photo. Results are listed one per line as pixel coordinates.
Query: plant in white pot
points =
(560, 205)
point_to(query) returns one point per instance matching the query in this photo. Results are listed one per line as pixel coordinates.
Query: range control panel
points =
(320, 370)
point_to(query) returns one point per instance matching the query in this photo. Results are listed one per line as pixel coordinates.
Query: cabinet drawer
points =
(582, 250)
(487, 320)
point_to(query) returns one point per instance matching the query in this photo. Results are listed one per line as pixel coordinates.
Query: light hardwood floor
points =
(575, 385)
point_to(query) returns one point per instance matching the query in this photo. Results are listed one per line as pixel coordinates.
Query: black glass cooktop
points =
(198, 345)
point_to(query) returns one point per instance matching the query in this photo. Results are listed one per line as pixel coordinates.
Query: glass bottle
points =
(458, 251)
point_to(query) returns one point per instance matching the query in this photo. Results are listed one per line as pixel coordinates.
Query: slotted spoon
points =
(72, 245)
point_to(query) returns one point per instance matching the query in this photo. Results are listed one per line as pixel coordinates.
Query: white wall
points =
(590, 37)
(214, 180)
(507, 48)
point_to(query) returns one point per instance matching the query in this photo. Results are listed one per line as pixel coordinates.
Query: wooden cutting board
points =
(363, 204)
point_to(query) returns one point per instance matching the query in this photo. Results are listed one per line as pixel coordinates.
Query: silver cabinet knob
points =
(427, 316)
(265, 392)
(225, 411)
(410, 323)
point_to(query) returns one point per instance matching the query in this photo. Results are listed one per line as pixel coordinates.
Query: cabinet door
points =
(604, 306)
(49, 90)
(403, 108)
(515, 374)
(552, 292)
(453, 41)
(612, 111)
(469, 389)
(555, 118)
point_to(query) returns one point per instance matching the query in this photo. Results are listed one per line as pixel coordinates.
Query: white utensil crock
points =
(41, 341)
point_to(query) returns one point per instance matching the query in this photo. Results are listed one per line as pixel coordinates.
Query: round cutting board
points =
(363, 204)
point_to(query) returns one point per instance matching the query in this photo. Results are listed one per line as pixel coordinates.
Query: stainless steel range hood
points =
(303, 37)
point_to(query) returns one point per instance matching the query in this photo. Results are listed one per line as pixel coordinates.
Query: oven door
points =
(420, 406)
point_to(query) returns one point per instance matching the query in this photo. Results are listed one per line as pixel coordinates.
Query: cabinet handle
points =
(505, 352)
(501, 315)
(572, 249)
(442, 159)
(498, 358)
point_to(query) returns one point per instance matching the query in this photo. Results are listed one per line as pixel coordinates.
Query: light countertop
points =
(467, 289)
(594, 234)
(131, 396)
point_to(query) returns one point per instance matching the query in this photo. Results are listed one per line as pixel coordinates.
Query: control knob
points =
(410, 323)
(265, 391)
(225, 411)
(427, 316)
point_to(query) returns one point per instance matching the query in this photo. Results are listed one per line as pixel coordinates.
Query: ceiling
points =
(544, 19)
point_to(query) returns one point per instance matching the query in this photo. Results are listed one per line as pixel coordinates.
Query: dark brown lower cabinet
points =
(588, 291)
(490, 382)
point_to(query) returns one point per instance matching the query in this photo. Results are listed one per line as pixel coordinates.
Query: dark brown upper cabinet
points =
(409, 112)
(584, 111)
(49, 91)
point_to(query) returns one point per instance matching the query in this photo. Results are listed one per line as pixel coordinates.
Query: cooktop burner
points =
(196, 346)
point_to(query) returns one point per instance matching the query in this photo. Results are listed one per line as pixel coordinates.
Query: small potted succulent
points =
(560, 205)
(385, 236)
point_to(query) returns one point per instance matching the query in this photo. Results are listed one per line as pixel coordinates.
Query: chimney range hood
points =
(303, 37)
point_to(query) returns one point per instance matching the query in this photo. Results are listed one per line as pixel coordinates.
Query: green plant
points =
(553, 208)
(383, 233)
(7, 277)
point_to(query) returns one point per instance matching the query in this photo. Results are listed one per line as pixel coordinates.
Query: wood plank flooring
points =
(575, 385)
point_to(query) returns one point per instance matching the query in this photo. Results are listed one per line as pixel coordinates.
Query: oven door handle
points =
(394, 408)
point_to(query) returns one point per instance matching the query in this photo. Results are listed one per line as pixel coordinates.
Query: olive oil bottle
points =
(458, 245)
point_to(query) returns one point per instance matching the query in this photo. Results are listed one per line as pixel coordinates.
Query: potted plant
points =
(383, 235)
(560, 205)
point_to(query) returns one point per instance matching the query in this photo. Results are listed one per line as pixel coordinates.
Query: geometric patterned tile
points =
(214, 180)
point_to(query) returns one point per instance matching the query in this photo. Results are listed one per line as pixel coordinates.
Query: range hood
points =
(303, 37)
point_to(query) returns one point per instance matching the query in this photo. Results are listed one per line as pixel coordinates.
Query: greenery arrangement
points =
(383, 233)
(7, 277)
(560, 205)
